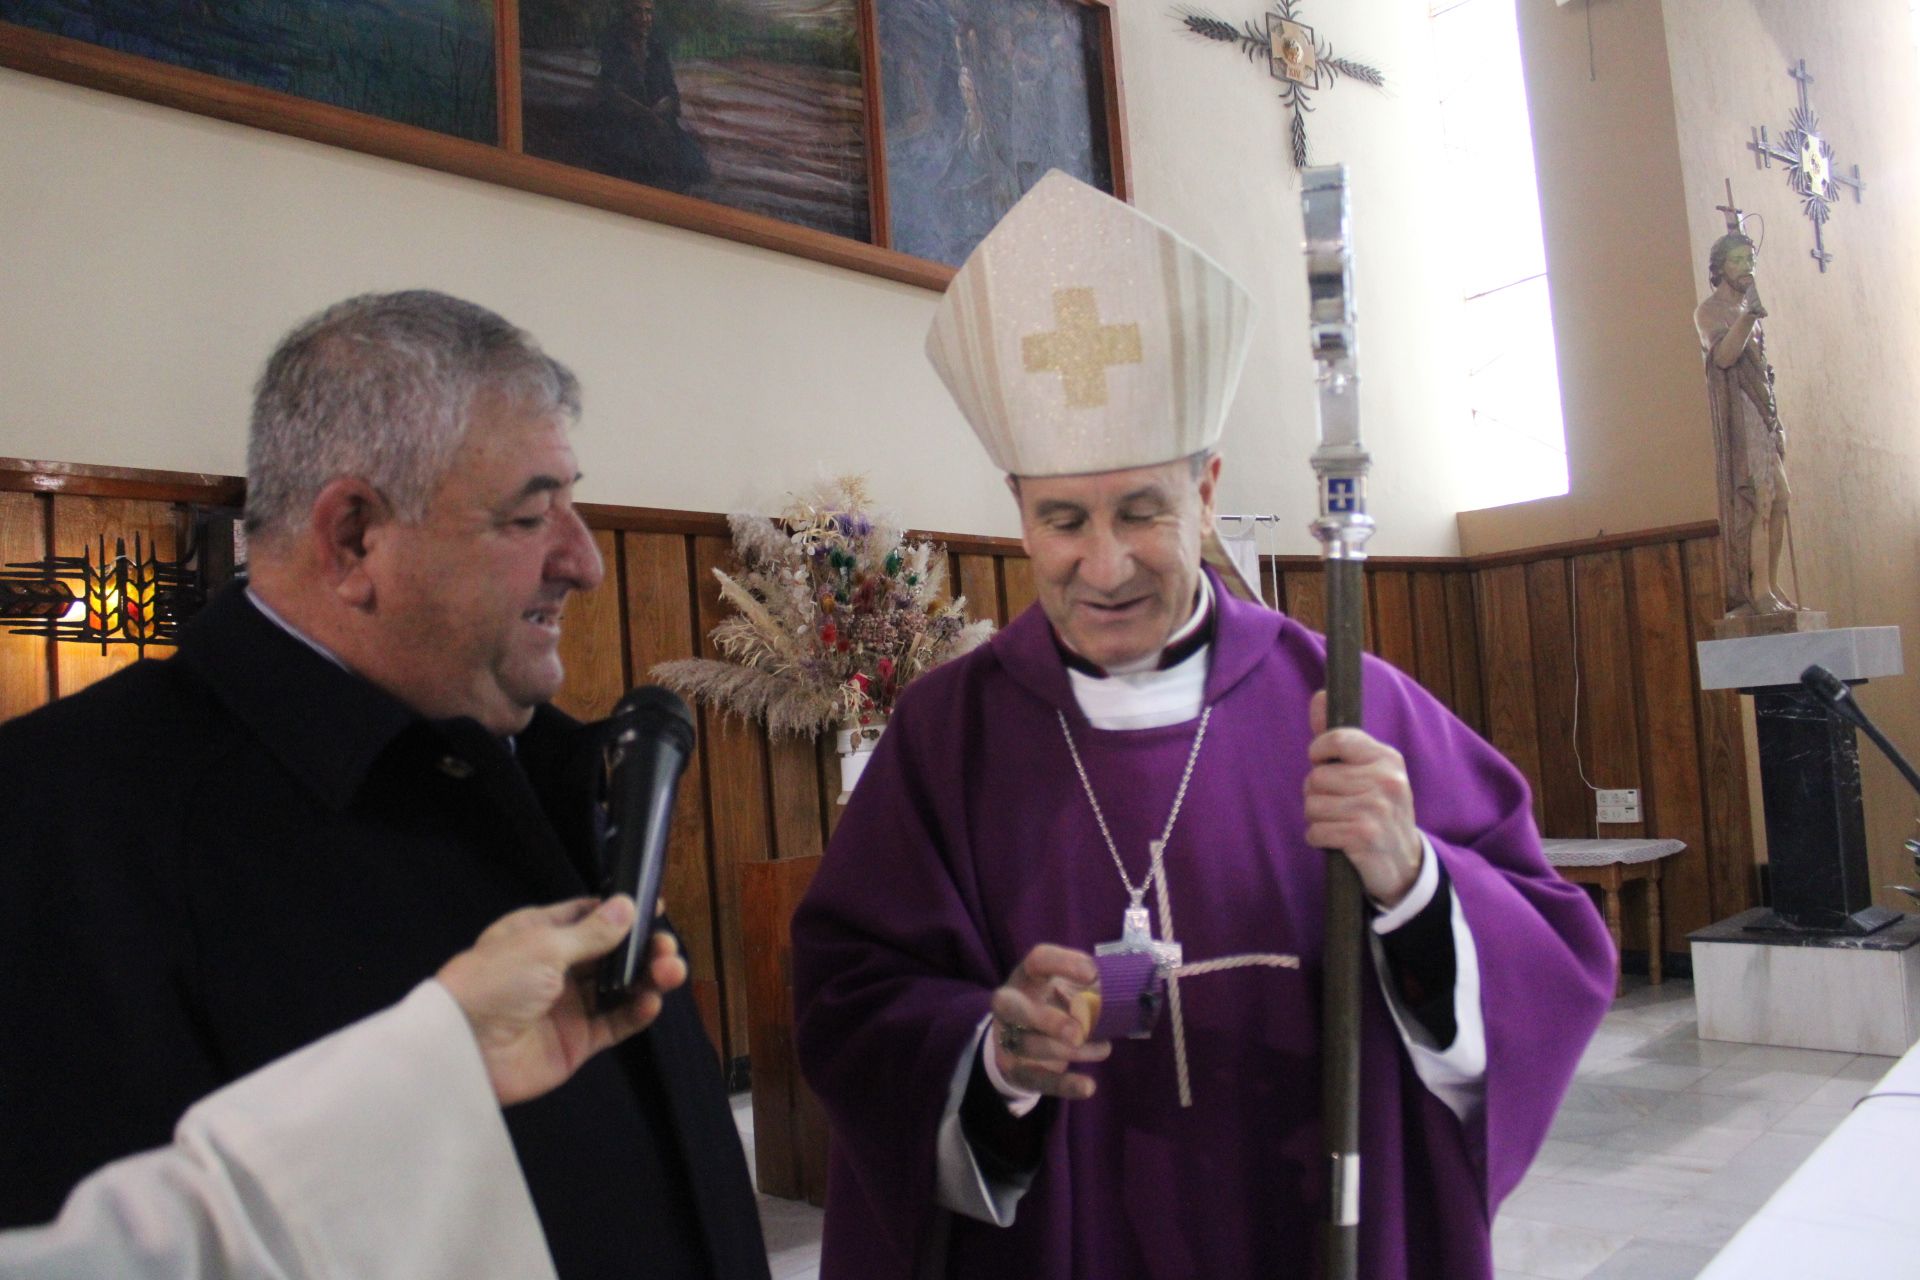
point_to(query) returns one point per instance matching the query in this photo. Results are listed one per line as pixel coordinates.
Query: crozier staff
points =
(1141, 751)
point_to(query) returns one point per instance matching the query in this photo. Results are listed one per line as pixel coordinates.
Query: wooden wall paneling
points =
(1722, 745)
(798, 824)
(660, 627)
(1016, 584)
(592, 642)
(1432, 638)
(26, 672)
(1306, 597)
(1506, 657)
(737, 792)
(1669, 742)
(1463, 651)
(1609, 713)
(40, 475)
(788, 1124)
(978, 580)
(1566, 808)
(1392, 612)
(77, 524)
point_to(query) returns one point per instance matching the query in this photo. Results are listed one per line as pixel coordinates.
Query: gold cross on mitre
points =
(1081, 349)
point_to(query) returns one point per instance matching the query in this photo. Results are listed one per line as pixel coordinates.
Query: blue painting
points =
(982, 97)
(428, 63)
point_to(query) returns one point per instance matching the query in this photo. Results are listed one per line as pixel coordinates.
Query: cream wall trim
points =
(1619, 263)
(154, 256)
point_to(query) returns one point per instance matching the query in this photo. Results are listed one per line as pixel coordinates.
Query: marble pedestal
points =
(1809, 771)
(1812, 991)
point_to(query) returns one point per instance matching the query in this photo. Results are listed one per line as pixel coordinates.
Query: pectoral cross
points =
(1136, 934)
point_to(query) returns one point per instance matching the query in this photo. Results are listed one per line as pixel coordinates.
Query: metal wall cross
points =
(1295, 56)
(1809, 160)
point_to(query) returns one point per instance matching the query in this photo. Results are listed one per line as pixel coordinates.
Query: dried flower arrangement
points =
(834, 613)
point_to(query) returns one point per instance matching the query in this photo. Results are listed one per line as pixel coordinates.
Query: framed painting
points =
(754, 104)
(982, 98)
(886, 136)
(427, 63)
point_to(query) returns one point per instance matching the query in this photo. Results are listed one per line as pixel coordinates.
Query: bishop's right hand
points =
(1041, 1018)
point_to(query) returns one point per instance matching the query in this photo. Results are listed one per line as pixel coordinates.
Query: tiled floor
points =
(792, 1227)
(1665, 1145)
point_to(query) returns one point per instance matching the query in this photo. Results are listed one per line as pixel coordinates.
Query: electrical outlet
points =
(1620, 806)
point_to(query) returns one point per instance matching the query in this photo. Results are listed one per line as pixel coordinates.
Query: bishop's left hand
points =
(1359, 801)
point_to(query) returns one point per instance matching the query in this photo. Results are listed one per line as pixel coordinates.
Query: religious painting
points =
(982, 97)
(428, 63)
(754, 104)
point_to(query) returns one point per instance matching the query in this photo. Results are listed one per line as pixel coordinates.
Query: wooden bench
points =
(1609, 864)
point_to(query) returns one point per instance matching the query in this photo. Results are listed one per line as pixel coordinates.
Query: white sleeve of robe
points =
(961, 1184)
(1457, 1075)
(378, 1152)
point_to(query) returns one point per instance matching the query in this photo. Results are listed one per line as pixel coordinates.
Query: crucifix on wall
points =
(1300, 60)
(1810, 165)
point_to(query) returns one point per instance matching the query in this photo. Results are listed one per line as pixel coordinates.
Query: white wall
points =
(152, 258)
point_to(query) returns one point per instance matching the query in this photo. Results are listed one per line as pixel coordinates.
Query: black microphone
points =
(1833, 691)
(649, 739)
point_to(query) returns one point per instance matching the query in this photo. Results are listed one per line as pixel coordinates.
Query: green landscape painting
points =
(420, 62)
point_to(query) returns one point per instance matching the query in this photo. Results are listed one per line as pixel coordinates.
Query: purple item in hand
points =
(1131, 991)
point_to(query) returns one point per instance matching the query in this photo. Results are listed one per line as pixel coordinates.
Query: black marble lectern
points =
(1816, 831)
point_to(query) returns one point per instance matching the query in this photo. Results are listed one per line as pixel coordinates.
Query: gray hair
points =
(379, 387)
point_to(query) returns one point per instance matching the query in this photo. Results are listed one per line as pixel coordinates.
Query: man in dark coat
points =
(347, 771)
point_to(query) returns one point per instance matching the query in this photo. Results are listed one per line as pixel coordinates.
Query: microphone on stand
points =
(1838, 699)
(649, 741)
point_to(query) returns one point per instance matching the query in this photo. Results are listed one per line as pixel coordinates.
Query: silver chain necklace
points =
(1136, 931)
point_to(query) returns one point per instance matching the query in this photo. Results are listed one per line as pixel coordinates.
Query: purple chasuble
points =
(969, 841)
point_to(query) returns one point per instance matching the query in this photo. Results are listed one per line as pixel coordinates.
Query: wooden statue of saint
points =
(1750, 446)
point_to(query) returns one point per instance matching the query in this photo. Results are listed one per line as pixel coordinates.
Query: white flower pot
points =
(856, 746)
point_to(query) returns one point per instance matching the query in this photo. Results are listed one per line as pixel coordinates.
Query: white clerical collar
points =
(1202, 601)
(1141, 694)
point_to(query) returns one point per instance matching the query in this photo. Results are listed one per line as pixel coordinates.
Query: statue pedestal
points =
(1811, 991)
(1823, 968)
(1769, 624)
(1809, 770)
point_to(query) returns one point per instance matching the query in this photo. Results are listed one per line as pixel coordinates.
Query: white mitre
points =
(1083, 336)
